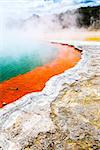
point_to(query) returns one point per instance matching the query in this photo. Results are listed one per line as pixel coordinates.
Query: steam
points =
(27, 30)
(30, 21)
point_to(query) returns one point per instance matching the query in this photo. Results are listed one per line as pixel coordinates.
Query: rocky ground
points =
(64, 116)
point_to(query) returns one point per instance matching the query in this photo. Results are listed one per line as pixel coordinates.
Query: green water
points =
(21, 57)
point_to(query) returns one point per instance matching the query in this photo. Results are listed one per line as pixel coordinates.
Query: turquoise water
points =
(21, 57)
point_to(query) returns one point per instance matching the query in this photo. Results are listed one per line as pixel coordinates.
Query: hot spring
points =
(18, 57)
(25, 66)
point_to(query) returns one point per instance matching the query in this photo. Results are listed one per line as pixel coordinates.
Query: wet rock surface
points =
(64, 116)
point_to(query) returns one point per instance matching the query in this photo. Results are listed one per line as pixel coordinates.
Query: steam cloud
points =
(47, 26)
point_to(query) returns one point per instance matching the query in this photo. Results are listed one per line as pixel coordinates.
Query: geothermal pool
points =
(20, 57)
(26, 67)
